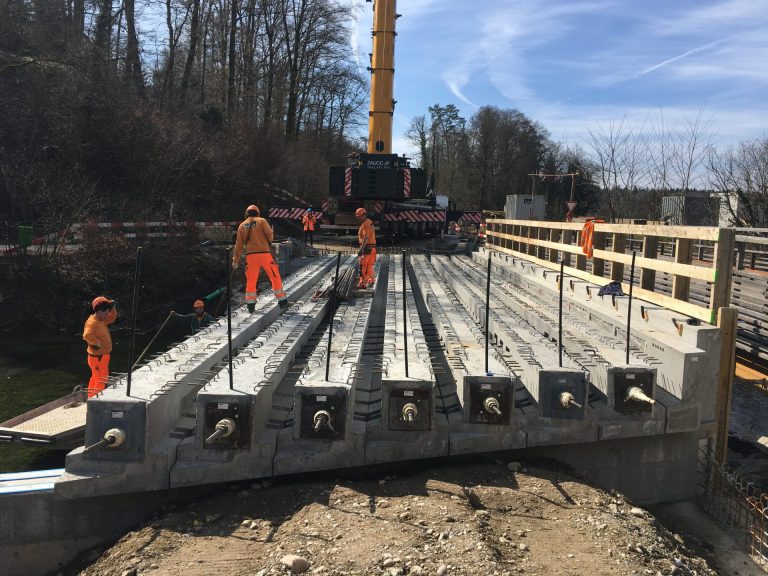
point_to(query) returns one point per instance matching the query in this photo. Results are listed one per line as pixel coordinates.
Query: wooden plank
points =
(535, 242)
(541, 224)
(681, 284)
(688, 232)
(687, 308)
(617, 267)
(723, 266)
(745, 373)
(726, 320)
(647, 274)
(698, 272)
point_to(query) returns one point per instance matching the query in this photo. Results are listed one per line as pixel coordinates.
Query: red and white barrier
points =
(415, 216)
(471, 217)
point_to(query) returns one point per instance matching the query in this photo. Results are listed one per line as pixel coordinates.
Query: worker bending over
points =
(254, 237)
(96, 334)
(367, 238)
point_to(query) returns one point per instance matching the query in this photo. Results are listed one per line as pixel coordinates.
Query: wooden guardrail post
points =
(681, 285)
(555, 235)
(598, 243)
(722, 262)
(648, 276)
(727, 322)
(617, 268)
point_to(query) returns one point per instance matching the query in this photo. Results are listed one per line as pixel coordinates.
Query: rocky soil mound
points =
(488, 519)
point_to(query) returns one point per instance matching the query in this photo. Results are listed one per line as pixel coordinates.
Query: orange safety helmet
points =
(252, 208)
(198, 304)
(360, 212)
(101, 300)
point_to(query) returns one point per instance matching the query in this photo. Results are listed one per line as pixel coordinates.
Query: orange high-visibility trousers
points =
(366, 269)
(253, 265)
(99, 366)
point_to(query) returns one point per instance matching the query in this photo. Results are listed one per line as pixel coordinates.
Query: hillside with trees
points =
(217, 102)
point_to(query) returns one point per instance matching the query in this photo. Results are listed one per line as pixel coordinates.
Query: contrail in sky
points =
(683, 55)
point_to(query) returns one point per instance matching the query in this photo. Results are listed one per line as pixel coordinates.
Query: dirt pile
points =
(487, 519)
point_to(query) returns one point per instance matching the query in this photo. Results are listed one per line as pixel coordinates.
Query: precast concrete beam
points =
(408, 426)
(687, 362)
(627, 390)
(398, 343)
(559, 392)
(488, 420)
(158, 393)
(257, 370)
(322, 436)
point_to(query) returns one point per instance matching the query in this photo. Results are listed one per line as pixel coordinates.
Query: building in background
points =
(525, 207)
(698, 209)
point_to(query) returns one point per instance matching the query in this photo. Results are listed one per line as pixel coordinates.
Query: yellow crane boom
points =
(382, 105)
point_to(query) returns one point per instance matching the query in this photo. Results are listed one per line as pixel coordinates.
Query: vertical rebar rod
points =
(629, 308)
(134, 308)
(405, 321)
(560, 315)
(333, 313)
(229, 315)
(487, 310)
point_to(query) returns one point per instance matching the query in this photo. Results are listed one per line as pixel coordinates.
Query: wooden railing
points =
(546, 243)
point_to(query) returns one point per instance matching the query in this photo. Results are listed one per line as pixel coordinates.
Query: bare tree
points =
(689, 152)
(619, 154)
(740, 176)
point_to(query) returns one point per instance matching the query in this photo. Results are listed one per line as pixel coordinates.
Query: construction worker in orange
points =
(366, 235)
(308, 221)
(198, 320)
(254, 237)
(99, 340)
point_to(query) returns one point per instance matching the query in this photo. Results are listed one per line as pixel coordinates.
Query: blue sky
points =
(577, 65)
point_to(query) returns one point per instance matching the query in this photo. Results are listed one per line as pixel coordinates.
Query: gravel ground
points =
(488, 519)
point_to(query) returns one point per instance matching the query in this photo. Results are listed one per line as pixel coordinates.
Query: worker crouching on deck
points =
(254, 237)
(367, 238)
(96, 334)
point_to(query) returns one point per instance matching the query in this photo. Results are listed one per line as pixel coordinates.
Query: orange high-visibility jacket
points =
(366, 231)
(254, 235)
(587, 236)
(309, 222)
(96, 333)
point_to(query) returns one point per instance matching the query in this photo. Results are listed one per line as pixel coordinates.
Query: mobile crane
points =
(393, 193)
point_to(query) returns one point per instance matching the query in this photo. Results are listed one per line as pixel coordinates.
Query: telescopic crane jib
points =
(379, 174)
(382, 105)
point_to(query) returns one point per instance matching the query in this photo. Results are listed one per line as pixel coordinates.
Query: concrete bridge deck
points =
(399, 373)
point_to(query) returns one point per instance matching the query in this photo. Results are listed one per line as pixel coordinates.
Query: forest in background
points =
(231, 98)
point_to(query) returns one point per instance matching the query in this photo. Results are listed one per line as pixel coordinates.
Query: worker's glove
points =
(235, 265)
(360, 252)
(96, 346)
(173, 312)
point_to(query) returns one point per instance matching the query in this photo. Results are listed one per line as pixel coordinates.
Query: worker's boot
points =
(283, 303)
(251, 308)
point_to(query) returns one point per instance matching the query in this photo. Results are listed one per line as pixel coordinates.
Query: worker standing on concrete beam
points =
(309, 220)
(366, 235)
(96, 334)
(254, 237)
